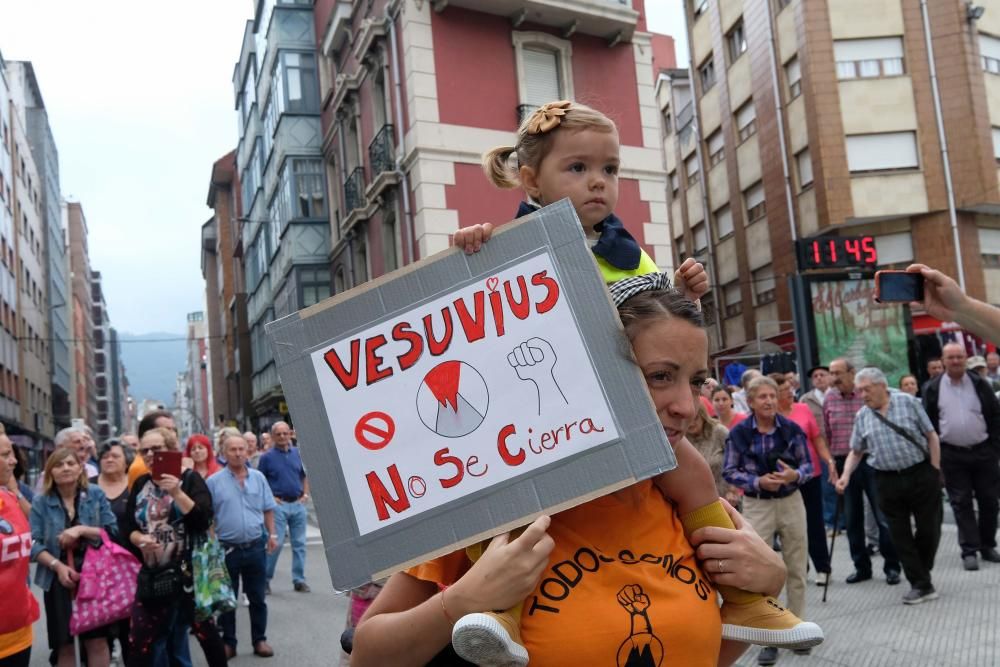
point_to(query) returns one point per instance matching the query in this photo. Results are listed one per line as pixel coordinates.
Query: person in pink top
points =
(722, 400)
(812, 491)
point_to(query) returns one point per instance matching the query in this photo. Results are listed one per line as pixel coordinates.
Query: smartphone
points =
(166, 463)
(898, 286)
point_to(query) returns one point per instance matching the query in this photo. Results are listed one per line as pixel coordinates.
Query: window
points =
(675, 183)
(390, 246)
(339, 280)
(868, 58)
(301, 191)
(881, 152)
(314, 285)
(996, 142)
(296, 85)
(716, 148)
(733, 299)
(706, 72)
(723, 222)
(989, 47)
(793, 75)
(544, 70)
(804, 161)
(668, 122)
(746, 121)
(681, 248)
(691, 167)
(700, 7)
(764, 285)
(783, 3)
(736, 41)
(360, 257)
(541, 74)
(700, 235)
(755, 203)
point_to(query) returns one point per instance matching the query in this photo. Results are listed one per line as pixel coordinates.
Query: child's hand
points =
(471, 239)
(691, 279)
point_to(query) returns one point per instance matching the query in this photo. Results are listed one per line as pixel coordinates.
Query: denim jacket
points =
(48, 520)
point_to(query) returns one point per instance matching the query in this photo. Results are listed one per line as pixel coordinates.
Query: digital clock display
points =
(832, 252)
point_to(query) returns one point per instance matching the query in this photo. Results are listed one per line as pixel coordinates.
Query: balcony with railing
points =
(614, 20)
(354, 190)
(382, 160)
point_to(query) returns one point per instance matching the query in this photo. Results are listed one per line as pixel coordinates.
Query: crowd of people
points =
(228, 492)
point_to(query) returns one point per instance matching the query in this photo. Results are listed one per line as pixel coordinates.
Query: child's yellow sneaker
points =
(489, 639)
(766, 623)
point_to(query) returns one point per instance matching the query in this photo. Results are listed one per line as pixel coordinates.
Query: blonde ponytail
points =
(496, 165)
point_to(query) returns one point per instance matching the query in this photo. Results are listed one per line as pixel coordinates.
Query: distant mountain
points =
(152, 362)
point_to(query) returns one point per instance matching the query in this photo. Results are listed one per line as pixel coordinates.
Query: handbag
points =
(213, 589)
(107, 587)
(159, 583)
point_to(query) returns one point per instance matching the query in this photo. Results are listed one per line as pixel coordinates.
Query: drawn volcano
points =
(453, 399)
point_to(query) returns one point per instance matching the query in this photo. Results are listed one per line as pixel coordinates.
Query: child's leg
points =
(494, 637)
(746, 616)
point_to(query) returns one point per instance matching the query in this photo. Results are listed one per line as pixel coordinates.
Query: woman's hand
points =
(69, 537)
(170, 484)
(739, 557)
(471, 239)
(67, 575)
(506, 573)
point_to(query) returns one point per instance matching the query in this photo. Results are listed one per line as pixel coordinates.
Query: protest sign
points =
(464, 395)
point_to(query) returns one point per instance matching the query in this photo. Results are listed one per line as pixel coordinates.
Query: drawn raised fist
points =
(633, 599)
(533, 361)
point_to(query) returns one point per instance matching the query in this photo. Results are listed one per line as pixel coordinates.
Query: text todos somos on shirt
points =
(461, 393)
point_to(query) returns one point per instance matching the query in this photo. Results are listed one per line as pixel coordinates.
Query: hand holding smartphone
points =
(898, 286)
(166, 463)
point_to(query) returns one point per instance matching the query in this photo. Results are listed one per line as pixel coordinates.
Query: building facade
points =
(226, 297)
(83, 394)
(408, 113)
(285, 230)
(46, 158)
(10, 374)
(121, 409)
(194, 406)
(29, 234)
(833, 118)
(104, 368)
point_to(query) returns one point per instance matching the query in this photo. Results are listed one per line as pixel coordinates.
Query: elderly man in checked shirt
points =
(902, 447)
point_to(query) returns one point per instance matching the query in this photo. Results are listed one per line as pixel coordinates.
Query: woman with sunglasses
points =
(20, 609)
(67, 514)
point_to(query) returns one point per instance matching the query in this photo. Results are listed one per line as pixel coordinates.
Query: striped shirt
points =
(886, 449)
(839, 410)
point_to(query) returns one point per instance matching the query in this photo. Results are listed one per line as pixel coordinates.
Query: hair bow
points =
(548, 116)
(622, 290)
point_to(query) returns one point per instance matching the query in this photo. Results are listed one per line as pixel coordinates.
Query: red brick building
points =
(413, 92)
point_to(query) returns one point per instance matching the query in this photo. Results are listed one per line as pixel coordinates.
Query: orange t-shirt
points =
(622, 588)
(136, 470)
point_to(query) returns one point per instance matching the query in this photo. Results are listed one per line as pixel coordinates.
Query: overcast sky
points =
(140, 101)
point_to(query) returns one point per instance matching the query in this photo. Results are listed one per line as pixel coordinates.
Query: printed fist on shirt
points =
(633, 599)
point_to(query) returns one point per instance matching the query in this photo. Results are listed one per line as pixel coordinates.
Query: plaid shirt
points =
(839, 411)
(747, 453)
(888, 450)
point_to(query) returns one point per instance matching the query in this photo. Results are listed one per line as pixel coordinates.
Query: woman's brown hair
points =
(646, 307)
(56, 458)
(531, 149)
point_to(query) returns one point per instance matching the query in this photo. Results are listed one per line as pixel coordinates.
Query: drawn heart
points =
(491, 283)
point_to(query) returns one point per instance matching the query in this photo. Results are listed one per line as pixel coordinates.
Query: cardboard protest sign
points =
(464, 395)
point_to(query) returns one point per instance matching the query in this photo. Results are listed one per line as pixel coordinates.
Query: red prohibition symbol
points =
(374, 430)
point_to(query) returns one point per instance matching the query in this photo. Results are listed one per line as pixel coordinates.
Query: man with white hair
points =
(740, 400)
(77, 440)
(253, 454)
(895, 432)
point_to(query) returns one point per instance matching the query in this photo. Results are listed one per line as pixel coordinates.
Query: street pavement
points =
(866, 625)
